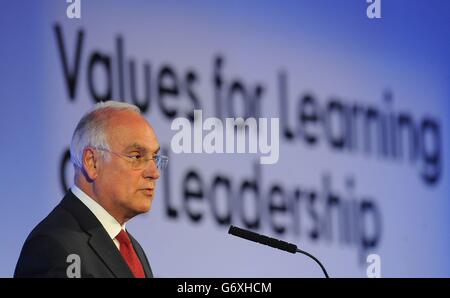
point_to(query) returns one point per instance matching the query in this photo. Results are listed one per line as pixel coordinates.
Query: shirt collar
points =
(111, 225)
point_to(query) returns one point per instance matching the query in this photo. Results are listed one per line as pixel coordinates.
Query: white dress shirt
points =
(111, 225)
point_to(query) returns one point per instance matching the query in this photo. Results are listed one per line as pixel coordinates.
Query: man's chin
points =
(144, 208)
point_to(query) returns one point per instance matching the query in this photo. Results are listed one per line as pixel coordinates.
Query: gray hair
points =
(91, 130)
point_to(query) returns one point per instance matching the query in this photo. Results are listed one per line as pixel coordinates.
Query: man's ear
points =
(90, 163)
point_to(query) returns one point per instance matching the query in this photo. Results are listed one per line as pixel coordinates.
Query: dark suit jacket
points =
(71, 228)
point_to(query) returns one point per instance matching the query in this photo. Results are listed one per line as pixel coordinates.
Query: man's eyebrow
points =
(136, 146)
(141, 148)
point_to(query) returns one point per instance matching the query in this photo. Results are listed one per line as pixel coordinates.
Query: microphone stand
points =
(315, 259)
(275, 243)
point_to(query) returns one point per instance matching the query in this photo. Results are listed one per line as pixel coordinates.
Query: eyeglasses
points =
(140, 162)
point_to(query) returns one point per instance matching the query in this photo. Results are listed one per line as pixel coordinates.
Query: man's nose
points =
(152, 171)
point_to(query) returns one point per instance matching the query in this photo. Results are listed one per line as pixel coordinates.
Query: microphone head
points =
(289, 247)
(252, 236)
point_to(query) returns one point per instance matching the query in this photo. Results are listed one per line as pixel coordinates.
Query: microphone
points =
(279, 244)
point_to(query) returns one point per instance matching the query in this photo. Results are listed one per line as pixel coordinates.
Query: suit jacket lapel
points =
(142, 257)
(99, 239)
(105, 248)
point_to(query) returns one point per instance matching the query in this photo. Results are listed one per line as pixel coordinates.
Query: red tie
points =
(128, 253)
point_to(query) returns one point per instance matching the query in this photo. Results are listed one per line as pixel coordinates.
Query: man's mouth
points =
(148, 191)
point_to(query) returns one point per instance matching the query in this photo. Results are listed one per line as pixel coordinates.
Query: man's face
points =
(126, 191)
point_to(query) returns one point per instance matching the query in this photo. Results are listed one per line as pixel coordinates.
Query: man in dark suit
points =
(115, 155)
